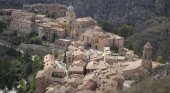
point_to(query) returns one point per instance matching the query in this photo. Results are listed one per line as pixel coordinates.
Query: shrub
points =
(107, 26)
(168, 13)
(35, 40)
(125, 31)
(54, 36)
(160, 59)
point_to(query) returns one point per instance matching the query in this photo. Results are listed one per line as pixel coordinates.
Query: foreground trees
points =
(17, 69)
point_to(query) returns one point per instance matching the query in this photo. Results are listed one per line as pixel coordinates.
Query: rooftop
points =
(132, 64)
(148, 45)
(75, 68)
(84, 19)
(65, 40)
(97, 65)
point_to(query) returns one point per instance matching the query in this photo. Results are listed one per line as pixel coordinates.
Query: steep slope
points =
(133, 12)
(151, 85)
(158, 33)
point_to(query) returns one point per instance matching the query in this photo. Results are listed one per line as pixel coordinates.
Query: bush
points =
(160, 59)
(125, 31)
(107, 26)
(35, 40)
(54, 36)
(168, 13)
(30, 35)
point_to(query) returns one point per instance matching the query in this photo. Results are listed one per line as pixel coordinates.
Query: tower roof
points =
(70, 8)
(148, 45)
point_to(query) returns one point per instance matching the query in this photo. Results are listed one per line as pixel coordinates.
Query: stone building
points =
(76, 54)
(22, 22)
(7, 12)
(147, 56)
(98, 39)
(77, 67)
(77, 26)
(62, 43)
(42, 81)
(70, 18)
(53, 72)
(133, 70)
(46, 28)
(138, 68)
(49, 62)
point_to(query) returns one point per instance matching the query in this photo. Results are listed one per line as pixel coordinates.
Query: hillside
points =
(132, 12)
(157, 33)
(151, 86)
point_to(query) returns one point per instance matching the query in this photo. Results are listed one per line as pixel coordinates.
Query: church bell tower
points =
(71, 18)
(147, 57)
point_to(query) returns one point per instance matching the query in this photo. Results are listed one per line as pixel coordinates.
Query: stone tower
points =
(147, 56)
(71, 18)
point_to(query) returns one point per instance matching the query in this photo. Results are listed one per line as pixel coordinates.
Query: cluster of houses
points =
(93, 71)
(88, 64)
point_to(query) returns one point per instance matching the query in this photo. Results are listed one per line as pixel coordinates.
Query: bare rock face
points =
(132, 12)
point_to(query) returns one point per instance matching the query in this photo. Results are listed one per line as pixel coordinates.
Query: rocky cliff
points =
(132, 12)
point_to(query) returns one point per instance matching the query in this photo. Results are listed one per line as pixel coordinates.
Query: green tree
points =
(125, 30)
(160, 59)
(28, 87)
(32, 85)
(30, 35)
(129, 44)
(107, 26)
(23, 86)
(35, 40)
(54, 36)
(37, 63)
(168, 13)
(3, 25)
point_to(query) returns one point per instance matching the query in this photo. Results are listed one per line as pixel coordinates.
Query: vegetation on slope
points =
(158, 35)
(14, 67)
(151, 86)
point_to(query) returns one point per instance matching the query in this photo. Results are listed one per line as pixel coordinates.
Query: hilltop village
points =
(91, 61)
